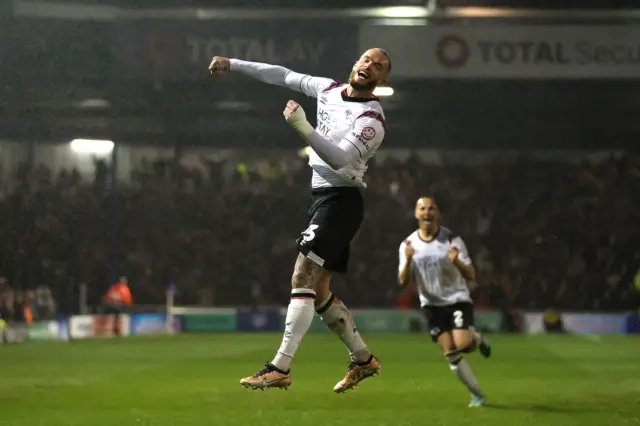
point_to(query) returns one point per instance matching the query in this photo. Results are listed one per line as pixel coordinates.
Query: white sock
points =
(299, 316)
(465, 375)
(338, 319)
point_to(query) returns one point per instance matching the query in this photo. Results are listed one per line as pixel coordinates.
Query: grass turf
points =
(193, 380)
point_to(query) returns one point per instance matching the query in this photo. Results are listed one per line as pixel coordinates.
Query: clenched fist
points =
(453, 253)
(409, 251)
(295, 116)
(291, 109)
(219, 65)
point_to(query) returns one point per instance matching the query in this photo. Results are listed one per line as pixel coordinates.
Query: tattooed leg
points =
(307, 276)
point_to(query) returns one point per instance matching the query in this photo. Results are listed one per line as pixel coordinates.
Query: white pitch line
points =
(591, 337)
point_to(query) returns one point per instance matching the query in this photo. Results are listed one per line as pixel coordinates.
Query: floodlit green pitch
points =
(193, 380)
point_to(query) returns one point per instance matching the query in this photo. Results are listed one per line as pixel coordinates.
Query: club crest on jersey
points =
(368, 133)
(348, 116)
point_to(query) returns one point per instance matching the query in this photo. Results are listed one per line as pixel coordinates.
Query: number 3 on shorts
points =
(458, 320)
(309, 234)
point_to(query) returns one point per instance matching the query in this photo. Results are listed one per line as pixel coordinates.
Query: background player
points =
(350, 128)
(436, 260)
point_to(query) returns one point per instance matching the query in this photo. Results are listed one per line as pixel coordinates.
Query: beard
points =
(363, 87)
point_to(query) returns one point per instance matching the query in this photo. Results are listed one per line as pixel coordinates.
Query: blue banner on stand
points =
(633, 325)
(594, 323)
(148, 323)
(259, 321)
(64, 329)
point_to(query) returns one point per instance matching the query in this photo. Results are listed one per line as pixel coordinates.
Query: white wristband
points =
(303, 127)
(298, 120)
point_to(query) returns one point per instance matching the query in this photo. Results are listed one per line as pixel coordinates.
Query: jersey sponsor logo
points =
(324, 122)
(323, 129)
(361, 140)
(428, 262)
(368, 133)
(323, 115)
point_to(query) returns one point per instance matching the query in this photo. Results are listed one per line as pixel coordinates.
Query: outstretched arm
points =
(272, 74)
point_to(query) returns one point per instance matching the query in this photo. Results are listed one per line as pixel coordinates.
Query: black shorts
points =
(334, 217)
(443, 319)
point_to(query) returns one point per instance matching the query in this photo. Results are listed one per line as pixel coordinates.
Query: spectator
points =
(543, 233)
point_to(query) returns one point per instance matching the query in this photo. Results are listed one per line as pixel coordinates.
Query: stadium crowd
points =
(542, 232)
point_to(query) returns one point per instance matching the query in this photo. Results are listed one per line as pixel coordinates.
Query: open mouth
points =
(363, 74)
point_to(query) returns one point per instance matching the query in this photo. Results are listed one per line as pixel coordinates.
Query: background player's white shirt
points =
(439, 281)
(339, 117)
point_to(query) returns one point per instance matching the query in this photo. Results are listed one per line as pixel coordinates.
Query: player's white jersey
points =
(439, 281)
(360, 121)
